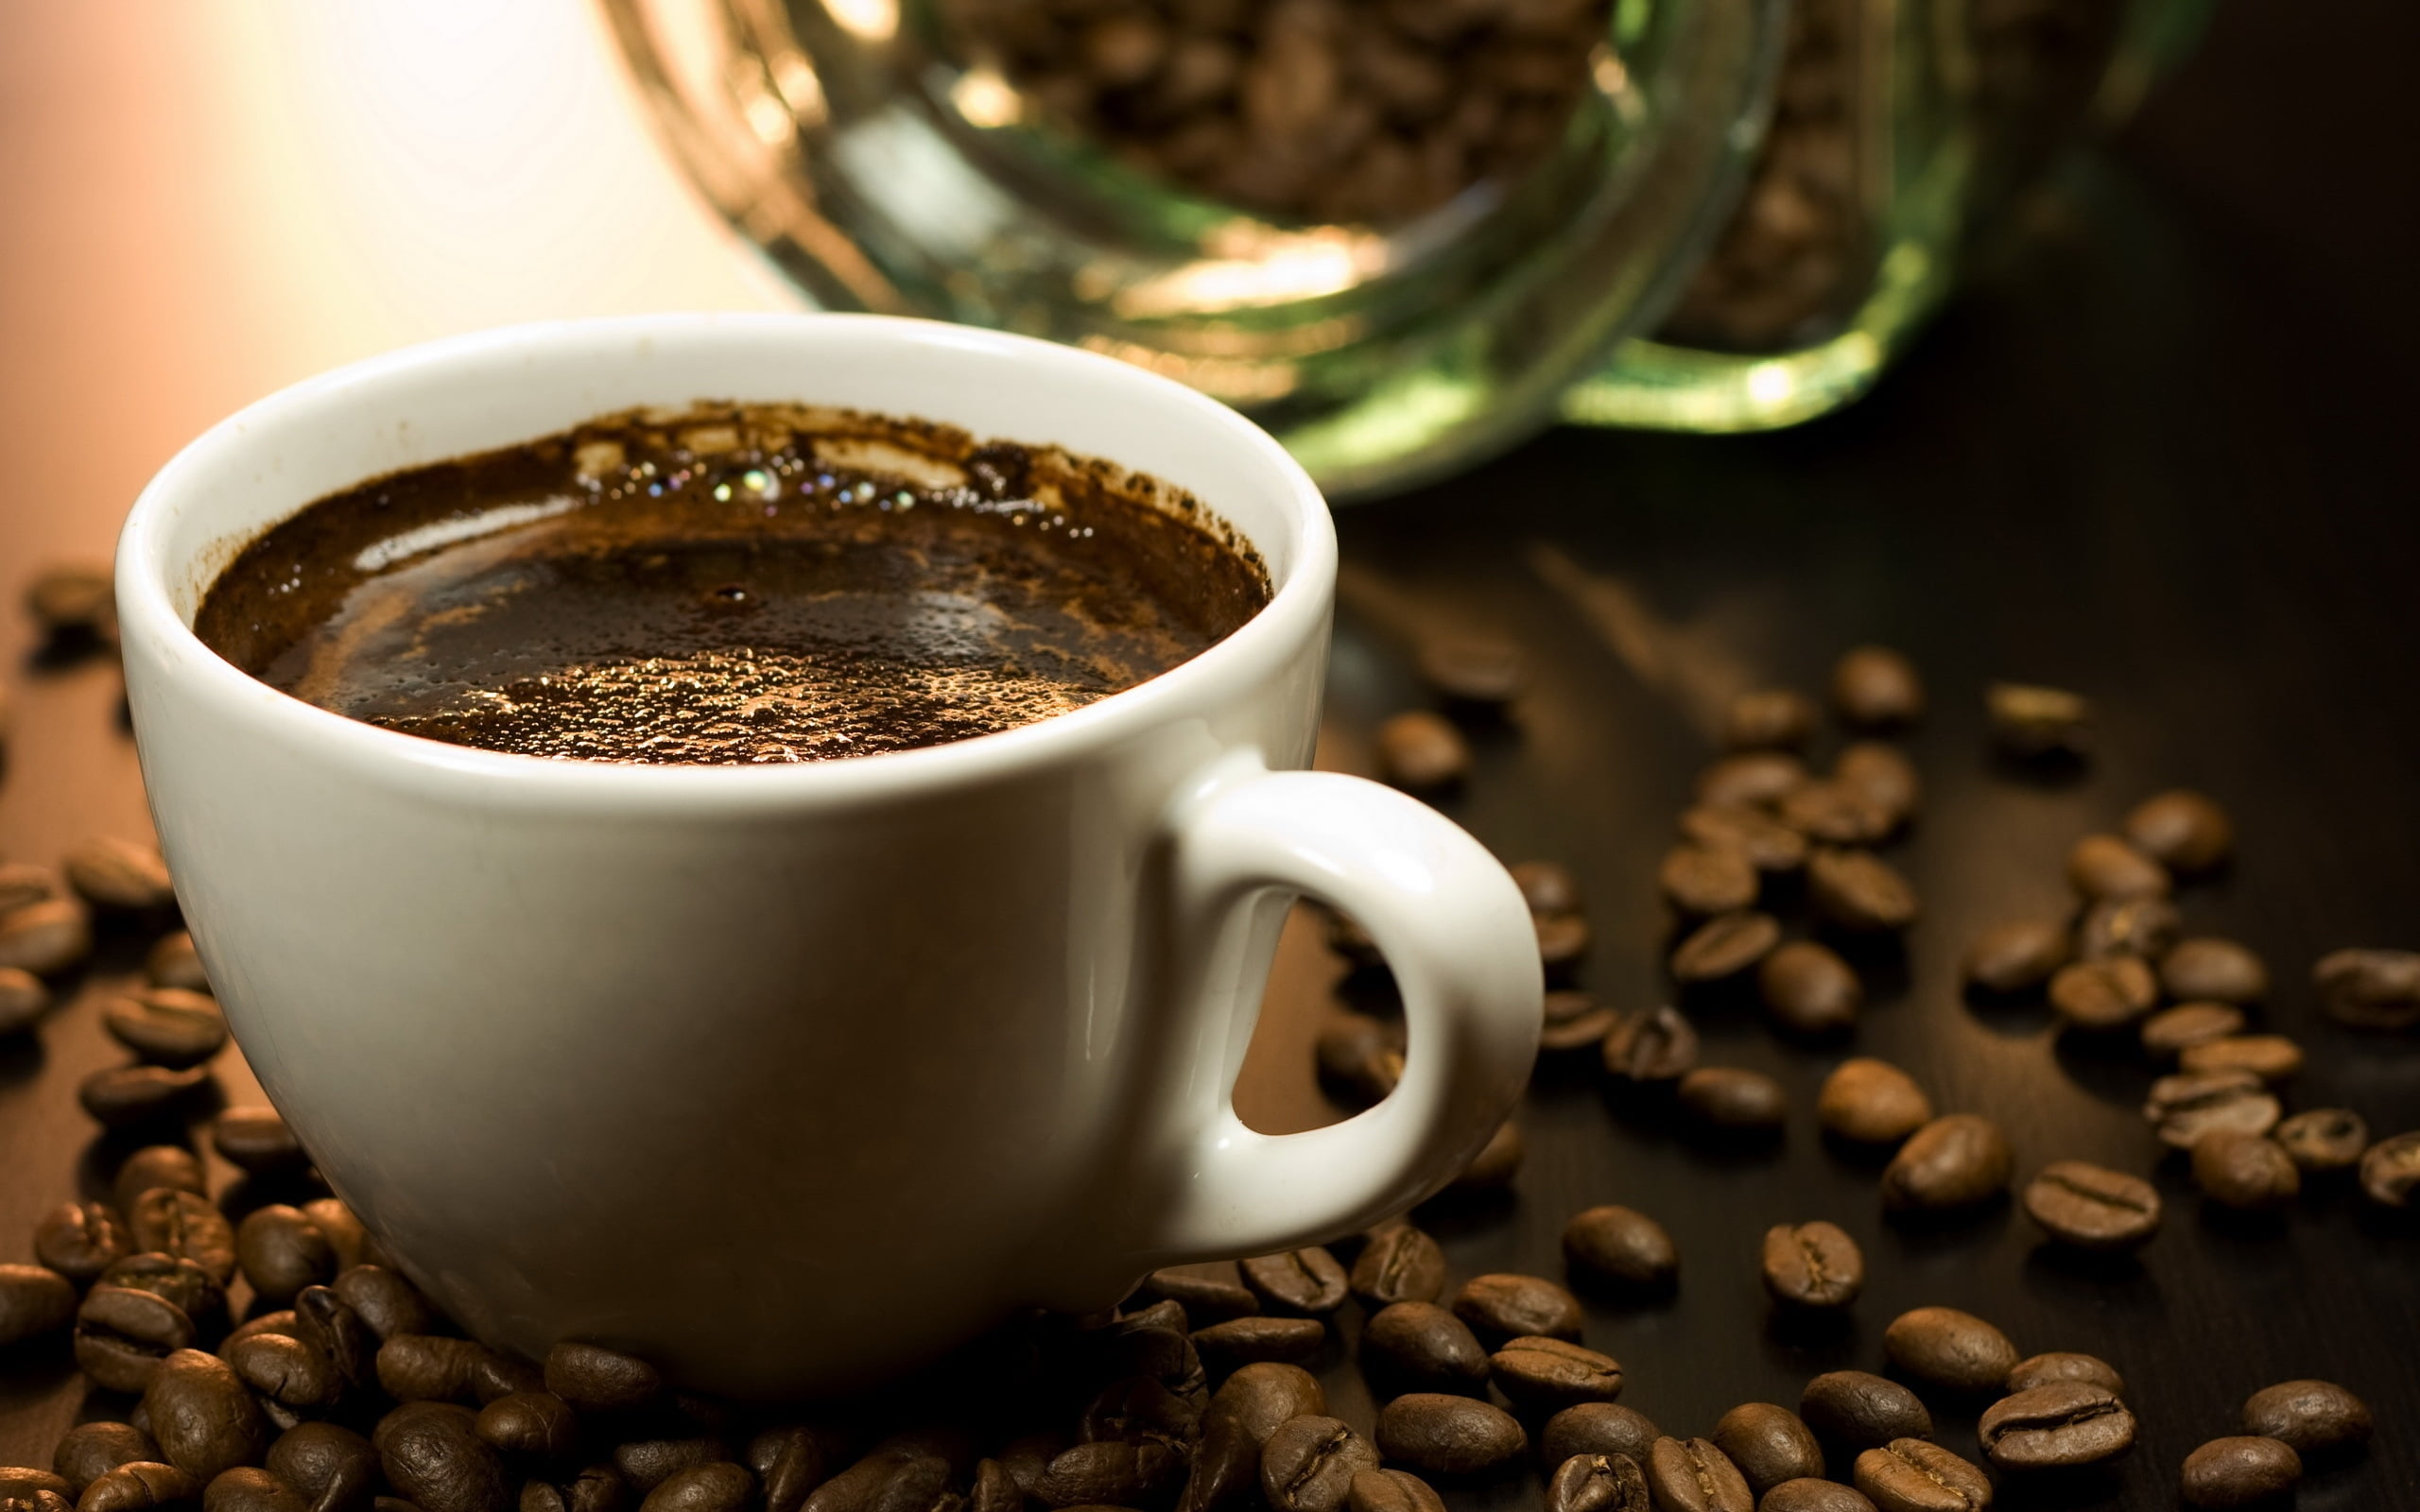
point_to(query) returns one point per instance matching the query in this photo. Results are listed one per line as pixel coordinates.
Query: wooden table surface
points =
(2164, 460)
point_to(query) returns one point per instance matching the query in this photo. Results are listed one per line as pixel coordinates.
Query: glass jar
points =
(1903, 132)
(1393, 232)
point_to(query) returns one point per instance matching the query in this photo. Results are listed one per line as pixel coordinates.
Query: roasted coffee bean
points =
(181, 1280)
(1917, 1475)
(1829, 811)
(1574, 1021)
(1872, 1102)
(1419, 1345)
(1955, 1351)
(2213, 970)
(1857, 890)
(1546, 886)
(2323, 1140)
(201, 1415)
(1767, 844)
(2102, 867)
(1225, 1475)
(122, 1334)
(90, 1451)
(1724, 946)
(1540, 1374)
(23, 1000)
(1259, 1397)
(724, 1487)
(34, 1301)
(2182, 829)
(429, 1366)
(537, 1423)
(250, 1489)
(1149, 1343)
(1882, 775)
(1812, 1264)
(2248, 1172)
(1857, 1411)
(287, 1371)
(1243, 1340)
(184, 1224)
(1449, 1435)
(139, 1486)
(1692, 1475)
(2189, 1105)
(431, 1455)
(2147, 928)
(2032, 722)
(595, 1379)
(1479, 669)
(1423, 751)
(1347, 938)
(1769, 1444)
(1399, 1263)
(856, 1488)
(648, 1463)
(2272, 1057)
(332, 1469)
(1138, 1405)
(48, 938)
(1306, 1281)
(1767, 719)
(112, 874)
(1497, 1161)
(791, 1461)
(1309, 1464)
(80, 1240)
(324, 1320)
(2370, 989)
(2391, 1170)
(1812, 1495)
(1115, 1473)
(598, 1488)
(2314, 1418)
(2017, 957)
(1599, 1483)
(1750, 780)
(2060, 1426)
(130, 1096)
(1808, 989)
(1206, 1298)
(72, 597)
(1598, 1428)
(281, 1321)
(1704, 880)
(1503, 1306)
(255, 1139)
(157, 1165)
(1621, 1245)
(1391, 1491)
(1733, 1100)
(173, 962)
(2091, 1205)
(167, 1025)
(1651, 1045)
(1358, 1058)
(2240, 1472)
(1957, 1160)
(2043, 1370)
(2100, 996)
(388, 1303)
(2170, 1032)
(280, 1251)
(23, 884)
(1563, 939)
(1874, 687)
(992, 1490)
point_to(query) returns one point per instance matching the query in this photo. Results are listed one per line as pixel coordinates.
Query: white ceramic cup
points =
(789, 1077)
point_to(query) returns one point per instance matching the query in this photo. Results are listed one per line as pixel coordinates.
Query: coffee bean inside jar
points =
(1302, 110)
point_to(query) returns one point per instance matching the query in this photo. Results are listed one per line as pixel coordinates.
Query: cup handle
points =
(1456, 932)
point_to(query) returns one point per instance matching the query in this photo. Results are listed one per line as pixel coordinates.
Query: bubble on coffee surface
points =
(738, 589)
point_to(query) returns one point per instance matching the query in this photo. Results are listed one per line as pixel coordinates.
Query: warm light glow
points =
(1252, 267)
(982, 97)
(868, 20)
(801, 90)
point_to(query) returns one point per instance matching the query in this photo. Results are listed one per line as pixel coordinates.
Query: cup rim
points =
(150, 625)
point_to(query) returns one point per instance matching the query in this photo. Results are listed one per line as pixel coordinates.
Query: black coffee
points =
(735, 585)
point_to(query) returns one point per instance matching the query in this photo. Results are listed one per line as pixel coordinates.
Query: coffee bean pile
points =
(2120, 969)
(1306, 109)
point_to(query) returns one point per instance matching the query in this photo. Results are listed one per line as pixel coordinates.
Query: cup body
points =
(782, 1077)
